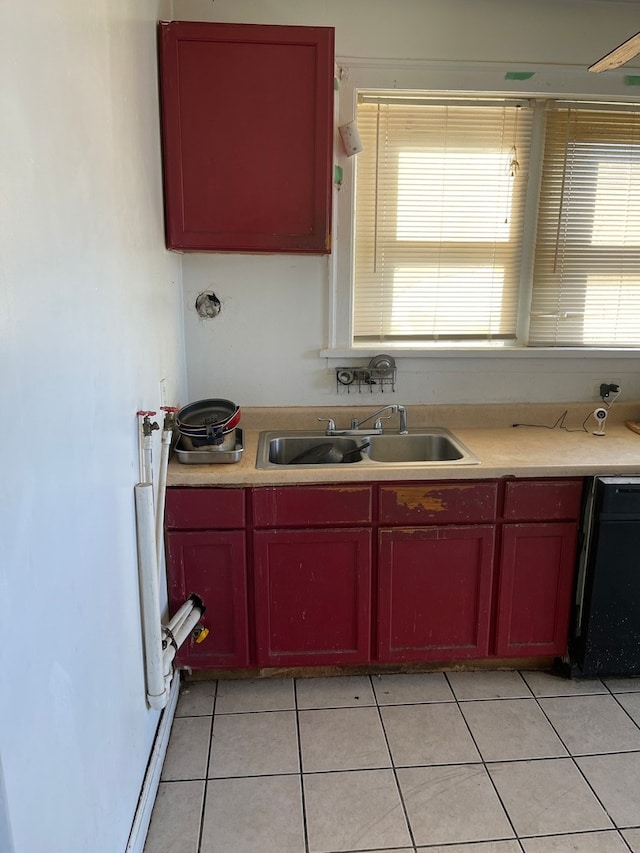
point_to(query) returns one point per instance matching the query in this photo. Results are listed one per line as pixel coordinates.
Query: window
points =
(443, 229)
(586, 284)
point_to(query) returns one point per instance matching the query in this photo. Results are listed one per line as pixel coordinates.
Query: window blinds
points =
(586, 289)
(439, 215)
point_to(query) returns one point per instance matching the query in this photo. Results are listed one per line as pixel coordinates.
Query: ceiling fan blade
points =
(619, 55)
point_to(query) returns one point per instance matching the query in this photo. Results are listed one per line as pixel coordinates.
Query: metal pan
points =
(208, 421)
(326, 454)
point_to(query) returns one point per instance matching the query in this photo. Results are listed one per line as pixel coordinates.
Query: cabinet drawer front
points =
(308, 506)
(439, 503)
(531, 500)
(204, 509)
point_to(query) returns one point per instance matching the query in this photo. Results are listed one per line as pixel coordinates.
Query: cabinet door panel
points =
(536, 585)
(434, 597)
(213, 566)
(247, 114)
(313, 597)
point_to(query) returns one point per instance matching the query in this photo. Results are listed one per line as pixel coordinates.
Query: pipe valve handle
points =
(200, 633)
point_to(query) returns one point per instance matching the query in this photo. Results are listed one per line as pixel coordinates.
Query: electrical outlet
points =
(605, 389)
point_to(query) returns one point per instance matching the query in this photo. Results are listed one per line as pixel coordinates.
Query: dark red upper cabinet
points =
(247, 131)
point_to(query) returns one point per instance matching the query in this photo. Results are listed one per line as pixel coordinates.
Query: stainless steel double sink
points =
(416, 448)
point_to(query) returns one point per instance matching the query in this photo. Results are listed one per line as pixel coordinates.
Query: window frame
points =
(442, 79)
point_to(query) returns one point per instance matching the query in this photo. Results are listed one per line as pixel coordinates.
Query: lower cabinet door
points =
(536, 587)
(213, 565)
(312, 597)
(434, 592)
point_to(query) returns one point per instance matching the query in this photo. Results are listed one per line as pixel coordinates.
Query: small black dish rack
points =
(379, 374)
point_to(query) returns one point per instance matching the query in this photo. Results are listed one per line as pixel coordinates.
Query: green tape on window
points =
(519, 75)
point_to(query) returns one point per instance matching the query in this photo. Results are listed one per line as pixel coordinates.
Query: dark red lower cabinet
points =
(313, 597)
(536, 586)
(213, 565)
(434, 592)
(313, 588)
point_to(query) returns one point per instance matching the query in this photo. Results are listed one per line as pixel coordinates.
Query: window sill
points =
(489, 351)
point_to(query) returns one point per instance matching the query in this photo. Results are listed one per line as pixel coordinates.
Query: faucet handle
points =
(378, 422)
(331, 424)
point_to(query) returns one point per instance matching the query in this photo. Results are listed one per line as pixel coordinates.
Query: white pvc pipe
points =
(183, 632)
(140, 464)
(147, 459)
(157, 692)
(180, 615)
(150, 540)
(187, 626)
(165, 446)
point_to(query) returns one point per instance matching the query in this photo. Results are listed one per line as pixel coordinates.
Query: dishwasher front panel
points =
(607, 639)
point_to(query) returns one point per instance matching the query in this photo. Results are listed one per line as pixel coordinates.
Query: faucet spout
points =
(394, 409)
(402, 428)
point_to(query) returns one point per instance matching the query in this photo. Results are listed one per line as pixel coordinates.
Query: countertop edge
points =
(504, 452)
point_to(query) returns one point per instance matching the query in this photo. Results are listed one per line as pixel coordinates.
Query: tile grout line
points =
(393, 766)
(206, 772)
(484, 764)
(567, 834)
(303, 801)
(619, 703)
(475, 763)
(526, 684)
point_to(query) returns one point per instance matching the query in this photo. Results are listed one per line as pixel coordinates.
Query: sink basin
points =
(286, 448)
(423, 447)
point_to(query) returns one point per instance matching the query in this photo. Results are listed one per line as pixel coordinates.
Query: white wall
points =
(264, 347)
(90, 323)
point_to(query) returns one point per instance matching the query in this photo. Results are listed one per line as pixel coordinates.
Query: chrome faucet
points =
(400, 410)
(357, 428)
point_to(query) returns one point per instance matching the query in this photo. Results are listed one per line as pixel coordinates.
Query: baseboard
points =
(142, 817)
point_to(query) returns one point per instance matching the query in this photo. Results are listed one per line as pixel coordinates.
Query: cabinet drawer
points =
(535, 500)
(303, 506)
(439, 503)
(205, 509)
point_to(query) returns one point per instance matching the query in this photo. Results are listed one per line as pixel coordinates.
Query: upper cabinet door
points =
(247, 131)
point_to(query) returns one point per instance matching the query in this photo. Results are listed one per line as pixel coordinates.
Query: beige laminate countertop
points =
(503, 450)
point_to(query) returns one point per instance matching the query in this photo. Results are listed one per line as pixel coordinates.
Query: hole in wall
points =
(208, 305)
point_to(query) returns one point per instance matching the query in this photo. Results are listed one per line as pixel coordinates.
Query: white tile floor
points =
(461, 762)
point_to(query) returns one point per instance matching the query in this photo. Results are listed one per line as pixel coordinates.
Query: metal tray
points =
(211, 457)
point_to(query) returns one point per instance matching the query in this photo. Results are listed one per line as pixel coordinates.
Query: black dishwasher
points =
(606, 638)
